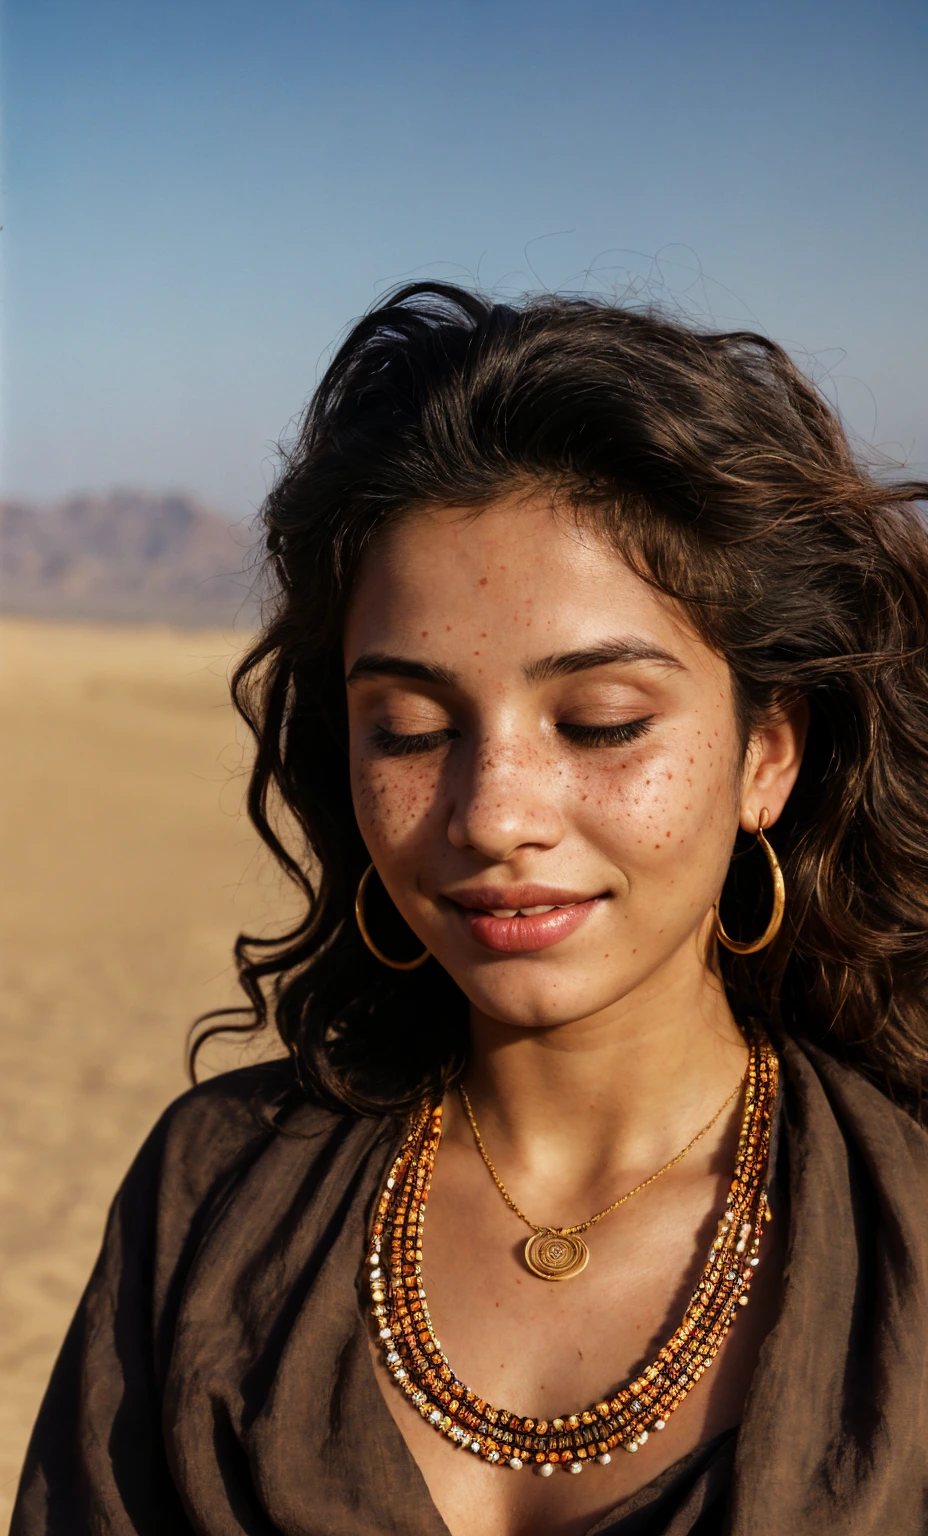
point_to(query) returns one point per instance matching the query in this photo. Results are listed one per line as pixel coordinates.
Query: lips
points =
(517, 920)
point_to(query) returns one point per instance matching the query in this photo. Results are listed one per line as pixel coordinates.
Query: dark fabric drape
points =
(217, 1378)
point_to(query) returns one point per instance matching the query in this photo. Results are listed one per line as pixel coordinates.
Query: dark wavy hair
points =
(723, 477)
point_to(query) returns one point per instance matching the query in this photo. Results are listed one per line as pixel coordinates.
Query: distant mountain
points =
(128, 555)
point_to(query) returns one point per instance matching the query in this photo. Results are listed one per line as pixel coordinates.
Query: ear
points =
(772, 764)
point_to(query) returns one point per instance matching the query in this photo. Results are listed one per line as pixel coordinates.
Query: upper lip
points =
(489, 898)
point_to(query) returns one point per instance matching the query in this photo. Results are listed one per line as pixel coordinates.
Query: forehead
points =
(519, 571)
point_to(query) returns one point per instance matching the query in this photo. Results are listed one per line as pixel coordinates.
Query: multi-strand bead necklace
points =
(625, 1420)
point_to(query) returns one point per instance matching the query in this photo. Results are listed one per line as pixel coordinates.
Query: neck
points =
(568, 1109)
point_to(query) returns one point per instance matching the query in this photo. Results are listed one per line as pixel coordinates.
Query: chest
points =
(548, 1349)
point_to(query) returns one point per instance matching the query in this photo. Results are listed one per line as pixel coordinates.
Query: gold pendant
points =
(555, 1256)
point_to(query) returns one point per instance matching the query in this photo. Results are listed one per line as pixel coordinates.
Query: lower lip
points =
(525, 935)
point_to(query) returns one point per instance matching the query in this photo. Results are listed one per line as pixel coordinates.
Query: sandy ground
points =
(128, 871)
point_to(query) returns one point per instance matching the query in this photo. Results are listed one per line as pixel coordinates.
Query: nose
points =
(504, 800)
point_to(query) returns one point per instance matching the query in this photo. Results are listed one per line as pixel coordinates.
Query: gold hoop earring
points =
(779, 901)
(395, 965)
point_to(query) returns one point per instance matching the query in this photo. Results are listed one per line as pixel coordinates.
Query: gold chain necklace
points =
(626, 1419)
(559, 1253)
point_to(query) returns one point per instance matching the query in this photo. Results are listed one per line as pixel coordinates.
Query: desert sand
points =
(128, 870)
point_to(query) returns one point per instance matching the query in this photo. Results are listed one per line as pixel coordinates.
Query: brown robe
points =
(217, 1377)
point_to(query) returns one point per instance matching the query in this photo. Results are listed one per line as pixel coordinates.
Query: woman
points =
(592, 720)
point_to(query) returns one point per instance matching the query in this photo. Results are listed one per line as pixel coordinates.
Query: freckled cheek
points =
(394, 801)
(641, 811)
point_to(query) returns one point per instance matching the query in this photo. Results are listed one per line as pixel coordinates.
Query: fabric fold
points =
(217, 1378)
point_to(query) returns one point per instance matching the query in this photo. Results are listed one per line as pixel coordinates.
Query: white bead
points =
(399, 1375)
(660, 1423)
(390, 1183)
(376, 1274)
(604, 1459)
(545, 1469)
(475, 1447)
(493, 1456)
(386, 1333)
(435, 1416)
(575, 1466)
(515, 1464)
(392, 1357)
(642, 1437)
(632, 1447)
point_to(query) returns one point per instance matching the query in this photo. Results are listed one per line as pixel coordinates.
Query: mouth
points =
(515, 920)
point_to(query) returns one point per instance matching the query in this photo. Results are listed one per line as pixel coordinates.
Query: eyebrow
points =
(377, 664)
(624, 652)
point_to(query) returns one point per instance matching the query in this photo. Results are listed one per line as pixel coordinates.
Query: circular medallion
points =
(555, 1256)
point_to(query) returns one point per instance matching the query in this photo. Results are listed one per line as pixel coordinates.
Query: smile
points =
(513, 923)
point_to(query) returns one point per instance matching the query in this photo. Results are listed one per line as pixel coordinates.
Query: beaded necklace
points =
(417, 1364)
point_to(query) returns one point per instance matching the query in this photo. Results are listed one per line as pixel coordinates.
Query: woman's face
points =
(545, 761)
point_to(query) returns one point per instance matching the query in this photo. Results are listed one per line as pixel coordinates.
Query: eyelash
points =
(393, 744)
(606, 735)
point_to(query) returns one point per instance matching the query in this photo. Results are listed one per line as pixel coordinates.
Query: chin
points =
(536, 1002)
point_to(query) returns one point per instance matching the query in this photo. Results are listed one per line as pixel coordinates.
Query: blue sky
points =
(198, 195)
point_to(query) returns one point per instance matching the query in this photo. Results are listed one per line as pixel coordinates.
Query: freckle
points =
(425, 634)
(483, 581)
(447, 628)
(483, 634)
(476, 653)
(692, 759)
(670, 775)
(667, 834)
(657, 846)
(634, 951)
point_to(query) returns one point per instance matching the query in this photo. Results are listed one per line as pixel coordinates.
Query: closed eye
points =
(396, 744)
(605, 735)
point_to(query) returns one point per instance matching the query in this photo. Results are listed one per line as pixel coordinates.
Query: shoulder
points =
(221, 1117)
(207, 1140)
(832, 1100)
